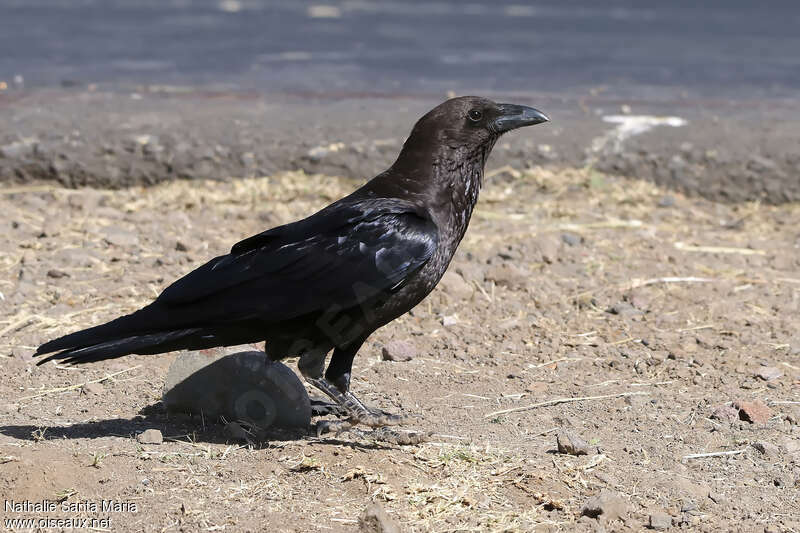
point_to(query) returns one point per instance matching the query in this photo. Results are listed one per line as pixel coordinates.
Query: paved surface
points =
(634, 48)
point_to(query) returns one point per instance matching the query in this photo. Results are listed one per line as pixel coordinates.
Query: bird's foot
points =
(393, 436)
(359, 414)
(370, 419)
(379, 434)
(353, 408)
(376, 418)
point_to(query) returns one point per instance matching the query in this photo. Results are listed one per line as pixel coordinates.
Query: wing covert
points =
(328, 259)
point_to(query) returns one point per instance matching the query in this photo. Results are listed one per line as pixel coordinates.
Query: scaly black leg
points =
(336, 384)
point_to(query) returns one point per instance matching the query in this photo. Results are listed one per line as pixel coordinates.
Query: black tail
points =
(148, 343)
(138, 332)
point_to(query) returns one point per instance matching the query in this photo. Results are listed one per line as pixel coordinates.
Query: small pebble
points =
(150, 436)
(659, 521)
(726, 413)
(766, 448)
(754, 412)
(571, 444)
(606, 506)
(93, 388)
(688, 506)
(624, 309)
(398, 351)
(769, 373)
(376, 520)
(119, 237)
(449, 320)
(571, 239)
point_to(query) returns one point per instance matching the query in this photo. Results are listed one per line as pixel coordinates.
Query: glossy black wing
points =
(336, 257)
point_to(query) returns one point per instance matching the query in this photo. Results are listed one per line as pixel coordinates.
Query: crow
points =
(327, 282)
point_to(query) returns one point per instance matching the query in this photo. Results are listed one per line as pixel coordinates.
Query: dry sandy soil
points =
(651, 325)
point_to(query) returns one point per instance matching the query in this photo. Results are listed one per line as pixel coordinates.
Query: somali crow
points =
(328, 281)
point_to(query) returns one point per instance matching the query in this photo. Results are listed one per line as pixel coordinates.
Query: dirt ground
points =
(651, 325)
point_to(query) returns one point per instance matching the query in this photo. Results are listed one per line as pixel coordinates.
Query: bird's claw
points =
(370, 419)
(379, 434)
(392, 436)
(333, 426)
(378, 419)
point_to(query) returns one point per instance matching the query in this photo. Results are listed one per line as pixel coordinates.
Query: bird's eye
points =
(475, 115)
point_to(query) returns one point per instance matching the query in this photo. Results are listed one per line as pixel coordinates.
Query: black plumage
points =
(328, 281)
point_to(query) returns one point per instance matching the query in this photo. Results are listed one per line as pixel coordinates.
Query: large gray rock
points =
(243, 386)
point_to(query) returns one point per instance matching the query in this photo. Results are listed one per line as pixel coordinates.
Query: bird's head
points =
(469, 124)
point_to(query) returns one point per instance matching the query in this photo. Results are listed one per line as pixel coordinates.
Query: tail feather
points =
(144, 320)
(164, 341)
(151, 330)
(146, 331)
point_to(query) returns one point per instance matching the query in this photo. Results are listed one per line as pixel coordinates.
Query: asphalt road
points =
(650, 50)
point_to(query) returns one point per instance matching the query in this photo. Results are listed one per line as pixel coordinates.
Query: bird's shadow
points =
(174, 426)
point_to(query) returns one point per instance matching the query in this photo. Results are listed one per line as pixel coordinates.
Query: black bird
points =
(329, 281)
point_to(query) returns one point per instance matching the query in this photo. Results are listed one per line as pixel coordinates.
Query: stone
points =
(789, 444)
(93, 388)
(638, 299)
(119, 237)
(398, 351)
(571, 239)
(766, 448)
(376, 520)
(77, 257)
(624, 309)
(449, 320)
(659, 521)
(150, 436)
(688, 506)
(754, 412)
(55, 274)
(456, 287)
(606, 506)
(547, 247)
(507, 275)
(725, 413)
(572, 444)
(244, 386)
(769, 373)
(689, 490)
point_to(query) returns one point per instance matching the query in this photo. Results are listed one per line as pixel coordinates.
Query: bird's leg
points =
(336, 385)
(311, 366)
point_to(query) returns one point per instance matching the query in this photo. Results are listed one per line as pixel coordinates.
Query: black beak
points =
(514, 116)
